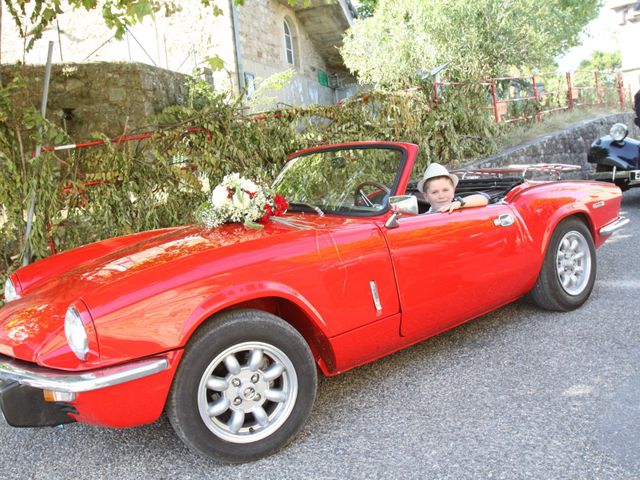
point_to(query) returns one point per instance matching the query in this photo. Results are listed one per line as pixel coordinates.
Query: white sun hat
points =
(436, 170)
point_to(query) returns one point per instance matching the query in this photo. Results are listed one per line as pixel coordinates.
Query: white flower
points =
(248, 186)
(219, 196)
(241, 200)
(232, 180)
(246, 204)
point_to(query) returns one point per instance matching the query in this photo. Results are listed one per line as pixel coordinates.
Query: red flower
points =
(268, 212)
(276, 207)
(280, 204)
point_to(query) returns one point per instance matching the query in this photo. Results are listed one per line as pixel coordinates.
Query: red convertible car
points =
(226, 328)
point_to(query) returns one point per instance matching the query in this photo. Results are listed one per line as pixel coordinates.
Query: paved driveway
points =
(519, 393)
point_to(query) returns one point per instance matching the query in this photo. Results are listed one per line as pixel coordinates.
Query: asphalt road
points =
(519, 393)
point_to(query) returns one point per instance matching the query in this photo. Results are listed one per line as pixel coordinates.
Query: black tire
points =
(241, 410)
(561, 266)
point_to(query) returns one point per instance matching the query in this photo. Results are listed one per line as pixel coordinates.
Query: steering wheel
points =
(362, 199)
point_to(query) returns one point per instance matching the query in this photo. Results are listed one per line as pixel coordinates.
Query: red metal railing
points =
(542, 94)
(519, 98)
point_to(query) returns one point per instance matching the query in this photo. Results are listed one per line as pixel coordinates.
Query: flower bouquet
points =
(240, 200)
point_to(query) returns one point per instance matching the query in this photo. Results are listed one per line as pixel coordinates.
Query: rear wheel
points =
(245, 386)
(569, 268)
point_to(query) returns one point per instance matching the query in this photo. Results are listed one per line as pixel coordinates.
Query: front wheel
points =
(245, 386)
(569, 268)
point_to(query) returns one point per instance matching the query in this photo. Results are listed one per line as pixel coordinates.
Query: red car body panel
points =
(129, 404)
(146, 294)
(35, 274)
(475, 260)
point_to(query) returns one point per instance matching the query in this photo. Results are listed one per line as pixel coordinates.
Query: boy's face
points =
(439, 192)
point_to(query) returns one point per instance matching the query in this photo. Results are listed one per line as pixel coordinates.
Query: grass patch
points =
(519, 133)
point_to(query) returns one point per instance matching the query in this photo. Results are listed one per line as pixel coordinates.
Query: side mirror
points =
(401, 204)
(404, 204)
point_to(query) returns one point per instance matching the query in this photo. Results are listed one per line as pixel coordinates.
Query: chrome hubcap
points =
(573, 263)
(247, 392)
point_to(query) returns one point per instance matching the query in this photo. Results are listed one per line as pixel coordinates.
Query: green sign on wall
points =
(323, 78)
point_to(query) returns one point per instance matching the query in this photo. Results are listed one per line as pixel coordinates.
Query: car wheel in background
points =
(569, 268)
(245, 386)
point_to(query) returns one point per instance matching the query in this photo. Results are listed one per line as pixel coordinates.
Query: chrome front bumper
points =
(613, 226)
(24, 373)
(631, 176)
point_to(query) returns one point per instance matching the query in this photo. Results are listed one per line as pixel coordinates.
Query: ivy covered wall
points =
(109, 98)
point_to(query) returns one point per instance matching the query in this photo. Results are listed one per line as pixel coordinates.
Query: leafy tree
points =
(366, 8)
(602, 61)
(476, 39)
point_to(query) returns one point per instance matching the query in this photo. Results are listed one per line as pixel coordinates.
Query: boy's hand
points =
(455, 205)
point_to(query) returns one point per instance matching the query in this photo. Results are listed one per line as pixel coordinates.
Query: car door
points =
(451, 267)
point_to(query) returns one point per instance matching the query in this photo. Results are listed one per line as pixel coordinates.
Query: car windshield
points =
(355, 181)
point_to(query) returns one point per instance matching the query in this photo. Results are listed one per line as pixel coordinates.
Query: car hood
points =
(170, 246)
(30, 322)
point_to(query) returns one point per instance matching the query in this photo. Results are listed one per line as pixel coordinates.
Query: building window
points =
(249, 84)
(290, 47)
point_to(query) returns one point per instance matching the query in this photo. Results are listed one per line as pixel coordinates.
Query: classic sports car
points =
(226, 328)
(616, 158)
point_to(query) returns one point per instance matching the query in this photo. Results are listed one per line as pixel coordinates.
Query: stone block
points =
(72, 85)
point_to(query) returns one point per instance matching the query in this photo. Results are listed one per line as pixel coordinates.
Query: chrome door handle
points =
(504, 220)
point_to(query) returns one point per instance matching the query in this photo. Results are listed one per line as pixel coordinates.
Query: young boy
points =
(439, 186)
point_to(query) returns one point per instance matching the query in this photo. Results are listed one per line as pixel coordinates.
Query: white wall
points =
(179, 42)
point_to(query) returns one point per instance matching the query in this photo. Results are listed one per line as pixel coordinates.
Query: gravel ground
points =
(516, 394)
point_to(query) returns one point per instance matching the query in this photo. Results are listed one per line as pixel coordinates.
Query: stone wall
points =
(566, 146)
(107, 97)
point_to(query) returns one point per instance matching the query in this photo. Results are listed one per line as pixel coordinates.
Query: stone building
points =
(629, 20)
(254, 41)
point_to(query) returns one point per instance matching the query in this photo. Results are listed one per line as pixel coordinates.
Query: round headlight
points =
(618, 132)
(76, 333)
(10, 292)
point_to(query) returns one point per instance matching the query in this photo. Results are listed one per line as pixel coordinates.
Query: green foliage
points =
(366, 8)
(201, 91)
(330, 180)
(265, 86)
(89, 194)
(602, 61)
(215, 63)
(477, 40)
(21, 129)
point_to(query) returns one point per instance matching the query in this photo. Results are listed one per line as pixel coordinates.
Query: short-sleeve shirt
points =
(477, 193)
